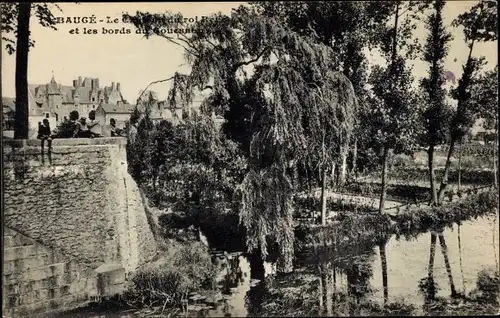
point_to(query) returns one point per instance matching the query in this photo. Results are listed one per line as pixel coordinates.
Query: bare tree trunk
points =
(383, 259)
(495, 155)
(21, 127)
(355, 159)
(309, 179)
(343, 169)
(459, 163)
(444, 250)
(383, 195)
(333, 176)
(323, 197)
(444, 181)
(432, 175)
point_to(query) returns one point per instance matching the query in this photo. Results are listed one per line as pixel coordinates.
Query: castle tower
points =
(54, 97)
(53, 88)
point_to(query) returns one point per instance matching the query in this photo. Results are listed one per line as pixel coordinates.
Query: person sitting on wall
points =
(115, 131)
(94, 125)
(73, 117)
(44, 133)
(83, 129)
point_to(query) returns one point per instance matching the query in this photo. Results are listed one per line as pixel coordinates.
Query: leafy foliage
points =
(479, 25)
(484, 97)
(291, 108)
(42, 11)
(437, 113)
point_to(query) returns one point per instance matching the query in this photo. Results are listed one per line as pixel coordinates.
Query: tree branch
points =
(155, 82)
(171, 39)
(238, 65)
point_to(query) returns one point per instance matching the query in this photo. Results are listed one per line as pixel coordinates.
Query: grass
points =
(183, 268)
(401, 193)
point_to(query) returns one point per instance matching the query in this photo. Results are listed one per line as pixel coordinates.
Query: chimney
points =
(112, 86)
(97, 83)
(118, 86)
(87, 82)
(79, 81)
(75, 83)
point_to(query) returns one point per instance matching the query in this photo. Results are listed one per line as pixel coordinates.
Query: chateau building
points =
(55, 101)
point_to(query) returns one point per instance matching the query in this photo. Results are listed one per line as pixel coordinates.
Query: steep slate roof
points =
(53, 88)
(68, 92)
(117, 109)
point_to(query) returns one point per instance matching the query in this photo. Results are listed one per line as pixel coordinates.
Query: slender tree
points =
(479, 25)
(436, 112)
(16, 32)
(484, 101)
(22, 47)
(391, 85)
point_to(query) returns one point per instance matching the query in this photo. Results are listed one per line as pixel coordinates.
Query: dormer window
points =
(93, 99)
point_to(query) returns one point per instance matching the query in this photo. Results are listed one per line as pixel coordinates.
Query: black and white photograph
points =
(250, 159)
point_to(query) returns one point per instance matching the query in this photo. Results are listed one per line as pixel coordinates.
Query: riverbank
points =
(370, 227)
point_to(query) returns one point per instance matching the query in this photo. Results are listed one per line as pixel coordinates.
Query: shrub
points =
(488, 284)
(65, 129)
(185, 268)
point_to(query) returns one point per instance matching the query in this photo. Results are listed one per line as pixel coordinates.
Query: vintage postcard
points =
(240, 159)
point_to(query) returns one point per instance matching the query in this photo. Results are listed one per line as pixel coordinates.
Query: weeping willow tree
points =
(282, 101)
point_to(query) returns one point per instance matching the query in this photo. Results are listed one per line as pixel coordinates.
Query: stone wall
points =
(80, 201)
(38, 279)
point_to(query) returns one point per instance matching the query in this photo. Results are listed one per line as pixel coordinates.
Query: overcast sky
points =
(135, 61)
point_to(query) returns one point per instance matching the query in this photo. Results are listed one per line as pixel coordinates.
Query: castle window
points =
(93, 106)
(47, 115)
(93, 99)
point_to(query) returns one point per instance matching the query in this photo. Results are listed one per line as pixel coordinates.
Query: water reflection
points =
(383, 260)
(355, 281)
(233, 275)
(444, 250)
(402, 265)
(460, 255)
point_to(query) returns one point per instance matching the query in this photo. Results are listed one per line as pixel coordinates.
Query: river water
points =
(467, 249)
(459, 254)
